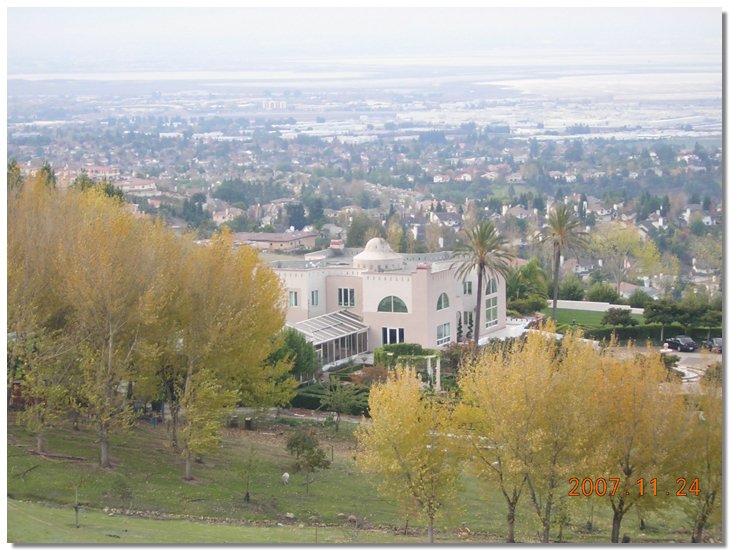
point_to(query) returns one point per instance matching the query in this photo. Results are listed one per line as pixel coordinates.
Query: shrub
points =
(669, 360)
(652, 332)
(640, 298)
(603, 292)
(310, 397)
(571, 288)
(382, 356)
(369, 375)
(714, 372)
(455, 355)
(528, 305)
(618, 316)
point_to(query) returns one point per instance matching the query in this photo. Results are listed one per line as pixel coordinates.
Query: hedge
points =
(309, 397)
(642, 333)
(382, 354)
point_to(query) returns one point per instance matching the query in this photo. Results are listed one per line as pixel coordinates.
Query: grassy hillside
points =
(146, 480)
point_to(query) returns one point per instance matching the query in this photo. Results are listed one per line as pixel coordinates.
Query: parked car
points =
(681, 343)
(713, 345)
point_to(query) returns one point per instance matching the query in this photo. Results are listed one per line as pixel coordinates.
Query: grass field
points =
(581, 318)
(34, 523)
(146, 479)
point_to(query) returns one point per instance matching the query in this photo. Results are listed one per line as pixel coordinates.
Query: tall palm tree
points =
(483, 249)
(563, 232)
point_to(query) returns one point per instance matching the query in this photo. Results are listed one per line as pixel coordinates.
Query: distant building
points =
(138, 187)
(109, 173)
(388, 298)
(226, 214)
(278, 242)
(273, 105)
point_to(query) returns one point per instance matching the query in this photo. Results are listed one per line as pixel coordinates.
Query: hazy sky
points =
(68, 39)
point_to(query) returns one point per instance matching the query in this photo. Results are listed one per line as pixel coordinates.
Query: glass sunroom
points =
(336, 336)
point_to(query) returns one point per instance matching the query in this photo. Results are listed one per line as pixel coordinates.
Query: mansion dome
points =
(378, 256)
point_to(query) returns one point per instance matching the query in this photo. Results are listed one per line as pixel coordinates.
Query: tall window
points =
(490, 287)
(345, 297)
(492, 311)
(491, 303)
(443, 334)
(392, 304)
(467, 287)
(393, 335)
(293, 298)
(442, 301)
(314, 297)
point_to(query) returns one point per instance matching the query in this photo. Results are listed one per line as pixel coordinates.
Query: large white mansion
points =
(346, 305)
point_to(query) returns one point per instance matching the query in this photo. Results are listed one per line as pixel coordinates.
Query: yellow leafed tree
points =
(36, 314)
(406, 445)
(205, 404)
(705, 440)
(640, 415)
(523, 429)
(563, 427)
(221, 324)
(624, 253)
(104, 273)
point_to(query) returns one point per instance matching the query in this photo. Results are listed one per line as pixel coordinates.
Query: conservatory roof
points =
(330, 326)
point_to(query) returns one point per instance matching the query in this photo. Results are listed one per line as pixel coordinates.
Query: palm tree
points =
(484, 249)
(527, 280)
(563, 232)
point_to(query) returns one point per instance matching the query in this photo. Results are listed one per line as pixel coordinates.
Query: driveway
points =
(692, 364)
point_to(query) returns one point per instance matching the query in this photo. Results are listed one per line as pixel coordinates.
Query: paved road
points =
(692, 364)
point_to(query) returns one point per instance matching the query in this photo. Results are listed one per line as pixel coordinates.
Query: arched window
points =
(490, 287)
(392, 304)
(442, 301)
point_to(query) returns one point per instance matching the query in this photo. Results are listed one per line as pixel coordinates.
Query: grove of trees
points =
(551, 422)
(105, 310)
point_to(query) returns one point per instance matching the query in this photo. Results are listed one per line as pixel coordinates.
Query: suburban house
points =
(349, 304)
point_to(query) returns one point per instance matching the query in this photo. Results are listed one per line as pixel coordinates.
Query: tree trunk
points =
(174, 421)
(555, 282)
(336, 423)
(547, 521)
(510, 521)
(430, 530)
(76, 507)
(698, 534)
(617, 519)
(479, 292)
(104, 440)
(188, 465)
(702, 518)
(39, 442)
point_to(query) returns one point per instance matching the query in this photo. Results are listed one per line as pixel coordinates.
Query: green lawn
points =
(147, 478)
(581, 318)
(33, 523)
